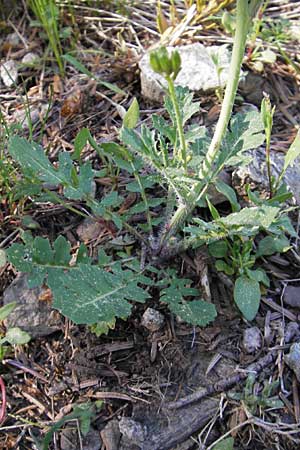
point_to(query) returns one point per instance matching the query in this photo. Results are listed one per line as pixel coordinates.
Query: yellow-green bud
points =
(154, 62)
(165, 64)
(176, 63)
(165, 60)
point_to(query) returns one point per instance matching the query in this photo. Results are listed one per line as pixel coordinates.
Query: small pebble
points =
(293, 359)
(292, 332)
(13, 39)
(291, 296)
(30, 58)
(252, 340)
(133, 430)
(152, 319)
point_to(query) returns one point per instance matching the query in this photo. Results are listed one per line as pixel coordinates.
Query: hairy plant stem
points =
(244, 14)
(144, 198)
(182, 141)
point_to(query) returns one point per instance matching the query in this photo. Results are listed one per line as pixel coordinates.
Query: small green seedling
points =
(83, 413)
(237, 256)
(255, 400)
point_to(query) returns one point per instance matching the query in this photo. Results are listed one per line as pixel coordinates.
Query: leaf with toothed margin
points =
(196, 311)
(91, 294)
(34, 162)
(83, 292)
(246, 133)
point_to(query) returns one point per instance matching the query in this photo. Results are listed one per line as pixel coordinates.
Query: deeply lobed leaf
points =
(85, 293)
(34, 162)
(195, 312)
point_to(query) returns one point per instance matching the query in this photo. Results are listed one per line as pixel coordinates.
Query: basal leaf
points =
(164, 128)
(262, 217)
(195, 312)
(246, 222)
(187, 107)
(37, 258)
(141, 207)
(225, 444)
(100, 328)
(121, 156)
(84, 413)
(247, 296)
(218, 249)
(258, 275)
(32, 160)
(84, 293)
(195, 132)
(104, 208)
(222, 266)
(91, 294)
(62, 249)
(147, 181)
(80, 142)
(229, 193)
(273, 244)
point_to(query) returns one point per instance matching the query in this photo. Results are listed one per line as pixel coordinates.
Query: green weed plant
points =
(182, 162)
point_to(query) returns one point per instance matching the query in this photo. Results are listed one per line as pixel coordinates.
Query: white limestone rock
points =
(9, 73)
(198, 71)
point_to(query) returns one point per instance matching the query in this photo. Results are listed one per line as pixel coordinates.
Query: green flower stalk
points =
(267, 113)
(245, 11)
(169, 65)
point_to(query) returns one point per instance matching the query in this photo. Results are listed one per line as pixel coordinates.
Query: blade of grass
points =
(77, 64)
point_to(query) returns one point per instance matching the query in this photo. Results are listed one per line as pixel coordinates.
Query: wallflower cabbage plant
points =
(180, 160)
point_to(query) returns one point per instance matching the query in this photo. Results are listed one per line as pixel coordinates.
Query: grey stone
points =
(198, 71)
(292, 331)
(30, 58)
(69, 440)
(291, 296)
(9, 73)
(111, 435)
(252, 86)
(252, 340)
(13, 39)
(28, 118)
(31, 313)
(152, 320)
(133, 430)
(293, 359)
(255, 173)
